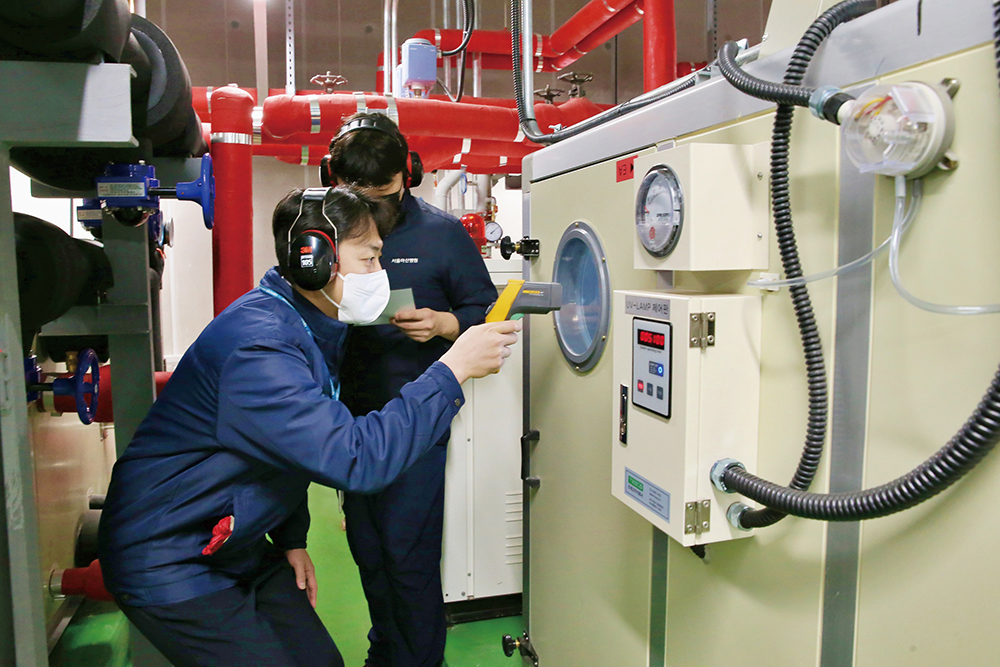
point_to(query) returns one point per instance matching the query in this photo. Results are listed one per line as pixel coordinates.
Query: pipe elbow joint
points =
(718, 473)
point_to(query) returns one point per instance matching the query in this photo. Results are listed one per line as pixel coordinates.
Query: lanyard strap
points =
(334, 388)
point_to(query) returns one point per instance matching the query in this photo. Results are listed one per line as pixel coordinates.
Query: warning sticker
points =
(647, 494)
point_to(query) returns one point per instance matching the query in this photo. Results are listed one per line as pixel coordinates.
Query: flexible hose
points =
(974, 440)
(751, 85)
(526, 114)
(795, 94)
(469, 16)
(812, 345)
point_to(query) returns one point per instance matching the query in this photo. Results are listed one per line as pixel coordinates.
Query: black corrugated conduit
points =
(825, 101)
(525, 111)
(974, 440)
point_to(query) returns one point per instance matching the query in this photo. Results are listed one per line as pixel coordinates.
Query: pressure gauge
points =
(493, 231)
(659, 211)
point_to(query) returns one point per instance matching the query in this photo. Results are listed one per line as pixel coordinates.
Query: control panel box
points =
(687, 390)
(702, 207)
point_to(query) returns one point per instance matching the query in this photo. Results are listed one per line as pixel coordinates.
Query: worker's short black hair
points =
(351, 211)
(368, 157)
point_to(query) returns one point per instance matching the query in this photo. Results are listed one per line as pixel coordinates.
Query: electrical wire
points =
(468, 19)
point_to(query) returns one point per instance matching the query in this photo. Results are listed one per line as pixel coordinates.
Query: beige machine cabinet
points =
(687, 387)
(702, 207)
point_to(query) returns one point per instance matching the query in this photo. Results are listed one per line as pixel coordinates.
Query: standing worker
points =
(395, 534)
(250, 417)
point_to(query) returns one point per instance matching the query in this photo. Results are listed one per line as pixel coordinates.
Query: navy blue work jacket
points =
(245, 423)
(432, 253)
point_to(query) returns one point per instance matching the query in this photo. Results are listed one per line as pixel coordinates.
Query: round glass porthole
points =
(659, 211)
(582, 322)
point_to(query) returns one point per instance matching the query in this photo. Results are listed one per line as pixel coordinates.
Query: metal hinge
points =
(702, 330)
(697, 517)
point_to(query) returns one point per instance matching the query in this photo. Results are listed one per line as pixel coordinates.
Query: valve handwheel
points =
(78, 386)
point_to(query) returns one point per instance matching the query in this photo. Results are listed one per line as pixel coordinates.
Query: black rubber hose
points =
(469, 14)
(812, 345)
(533, 134)
(974, 440)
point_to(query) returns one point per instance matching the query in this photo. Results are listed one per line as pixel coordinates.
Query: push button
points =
(659, 393)
(649, 389)
(639, 386)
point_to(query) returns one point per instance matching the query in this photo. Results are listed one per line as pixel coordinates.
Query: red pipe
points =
(482, 41)
(659, 36)
(87, 581)
(604, 32)
(232, 162)
(589, 18)
(105, 401)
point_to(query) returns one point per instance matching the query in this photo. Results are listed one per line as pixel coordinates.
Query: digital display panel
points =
(651, 339)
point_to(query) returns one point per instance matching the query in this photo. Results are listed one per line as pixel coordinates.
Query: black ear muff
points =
(312, 256)
(416, 169)
(325, 177)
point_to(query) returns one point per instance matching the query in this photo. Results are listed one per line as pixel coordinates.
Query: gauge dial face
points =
(659, 211)
(493, 231)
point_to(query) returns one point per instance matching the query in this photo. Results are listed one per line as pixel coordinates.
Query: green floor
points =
(98, 635)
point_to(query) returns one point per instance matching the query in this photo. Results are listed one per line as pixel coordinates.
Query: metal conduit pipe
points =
(387, 44)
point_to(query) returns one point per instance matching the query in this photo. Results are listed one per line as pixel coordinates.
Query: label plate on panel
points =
(647, 494)
(646, 306)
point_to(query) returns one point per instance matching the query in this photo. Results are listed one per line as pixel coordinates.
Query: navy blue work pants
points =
(267, 623)
(395, 538)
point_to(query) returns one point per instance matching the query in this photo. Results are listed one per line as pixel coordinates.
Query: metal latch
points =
(521, 644)
(702, 330)
(697, 517)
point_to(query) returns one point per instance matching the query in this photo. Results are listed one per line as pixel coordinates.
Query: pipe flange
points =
(735, 513)
(719, 471)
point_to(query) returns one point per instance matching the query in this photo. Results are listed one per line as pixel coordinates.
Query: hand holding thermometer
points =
(519, 298)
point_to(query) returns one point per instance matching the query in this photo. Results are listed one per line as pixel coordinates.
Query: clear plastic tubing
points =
(852, 265)
(898, 229)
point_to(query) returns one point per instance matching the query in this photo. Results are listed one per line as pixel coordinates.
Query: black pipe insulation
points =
(973, 441)
(528, 124)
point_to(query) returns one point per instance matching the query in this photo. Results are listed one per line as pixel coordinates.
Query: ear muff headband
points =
(313, 243)
(379, 123)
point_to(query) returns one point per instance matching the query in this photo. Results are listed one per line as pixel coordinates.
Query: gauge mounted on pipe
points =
(659, 211)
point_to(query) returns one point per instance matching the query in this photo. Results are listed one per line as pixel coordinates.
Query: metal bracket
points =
(702, 330)
(523, 645)
(697, 517)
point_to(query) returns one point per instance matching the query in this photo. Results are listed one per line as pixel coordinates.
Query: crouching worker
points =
(250, 417)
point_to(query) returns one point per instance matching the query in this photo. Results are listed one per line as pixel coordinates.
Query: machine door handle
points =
(526, 440)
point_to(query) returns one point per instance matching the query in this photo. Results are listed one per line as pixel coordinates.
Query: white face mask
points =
(365, 297)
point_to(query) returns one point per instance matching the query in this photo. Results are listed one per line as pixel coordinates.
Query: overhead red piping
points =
(659, 37)
(604, 32)
(589, 18)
